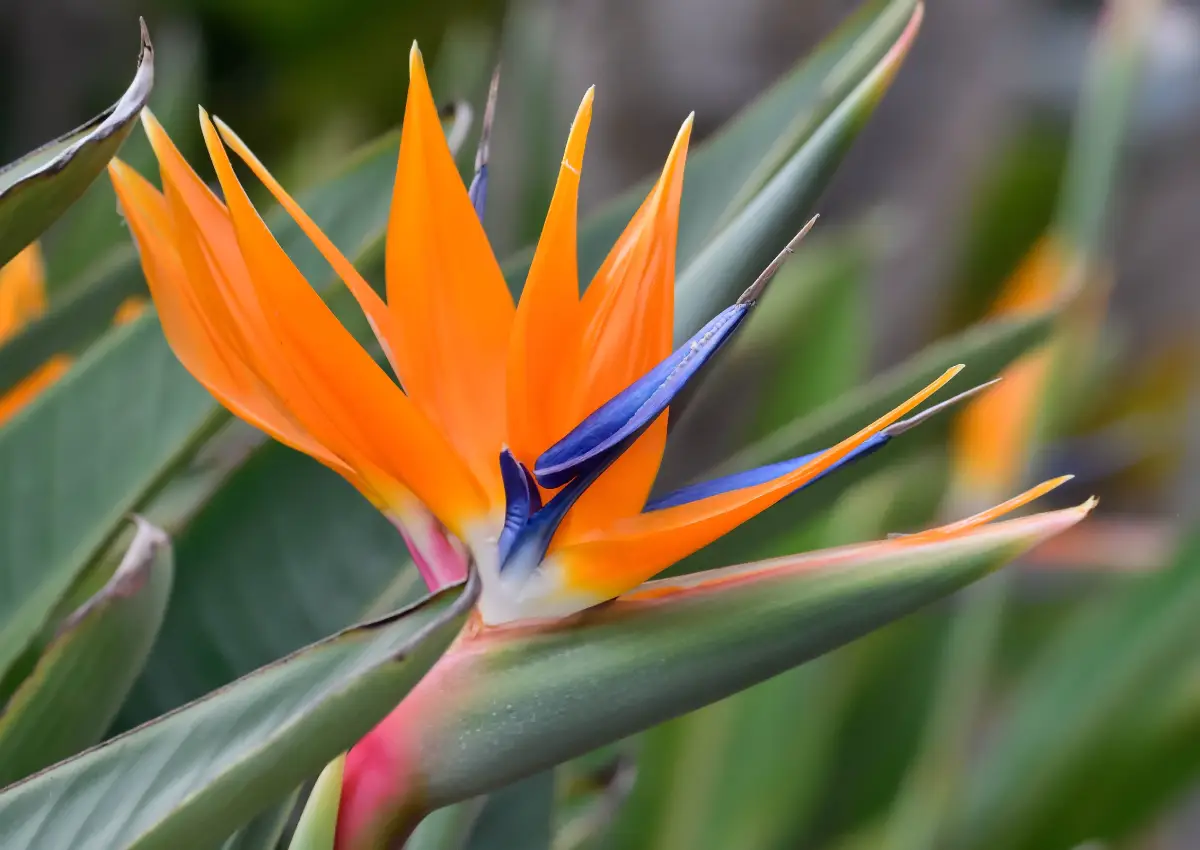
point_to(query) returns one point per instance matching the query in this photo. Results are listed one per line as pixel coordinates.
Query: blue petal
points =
(633, 409)
(750, 477)
(521, 500)
(529, 544)
(478, 190)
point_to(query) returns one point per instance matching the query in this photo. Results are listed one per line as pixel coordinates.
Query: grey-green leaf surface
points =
(541, 695)
(37, 188)
(201, 772)
(78, 459)
(83, 676)
(265, 829)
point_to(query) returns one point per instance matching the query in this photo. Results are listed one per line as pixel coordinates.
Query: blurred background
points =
(946, 192)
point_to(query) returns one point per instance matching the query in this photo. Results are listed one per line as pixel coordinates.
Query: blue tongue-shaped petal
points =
(618, 421)
(762, 474)
(522, 499)
(635, 407)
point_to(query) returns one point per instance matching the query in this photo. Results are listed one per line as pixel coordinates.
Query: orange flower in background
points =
(23, 299)
(524, 436)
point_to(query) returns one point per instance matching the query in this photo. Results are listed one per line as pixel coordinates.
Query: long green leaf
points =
(37, 188)
(193, 777)
(507, 703)
(85, 673)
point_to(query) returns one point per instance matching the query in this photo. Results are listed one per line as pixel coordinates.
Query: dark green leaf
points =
(83, 676)
(193, 777)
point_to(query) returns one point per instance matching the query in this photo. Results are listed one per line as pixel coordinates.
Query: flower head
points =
(525, 436)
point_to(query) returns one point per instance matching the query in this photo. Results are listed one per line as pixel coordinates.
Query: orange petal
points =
(447, 293)
(616, 559)
(199, 339)
(31, 387)
(375, 427)
(629, 307)
(629, 314)
(545, 333)
(22, 290)
(383, 323)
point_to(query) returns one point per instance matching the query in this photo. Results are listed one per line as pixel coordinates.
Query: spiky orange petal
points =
(628, 315)
(446, 291)
(545, 333)
(375, 427)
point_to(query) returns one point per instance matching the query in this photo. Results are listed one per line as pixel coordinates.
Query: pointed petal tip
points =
(918, 418)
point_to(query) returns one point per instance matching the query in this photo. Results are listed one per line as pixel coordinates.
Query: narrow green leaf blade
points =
(36, 189)
(193, 777)
(83, 676)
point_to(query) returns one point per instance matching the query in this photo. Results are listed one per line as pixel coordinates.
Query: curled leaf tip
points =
(756, 289)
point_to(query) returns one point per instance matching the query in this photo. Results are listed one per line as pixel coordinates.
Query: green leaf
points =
(518, 817)
(317, 828)
(732, 257)
(81, 457)
(36, 189)
(1098, 680)
(88, 668)
(793, 121)
(265, 829)
(521, 699)
(199, 773)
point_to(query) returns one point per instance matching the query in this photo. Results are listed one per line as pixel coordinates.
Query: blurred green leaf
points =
(83, 676)
(317, 828)
(733, 256)
(777, 155)
(79, 458)
(265, 829)
(1095, 683)
(540, 695)
(36, 189)
(517, 817)
(193, 777)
